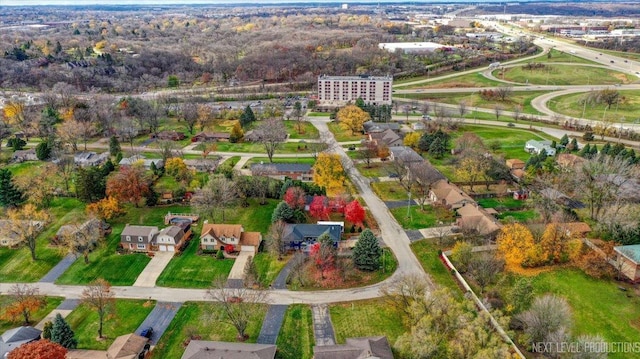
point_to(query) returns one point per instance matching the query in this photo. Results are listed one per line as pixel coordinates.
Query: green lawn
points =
(308, 130)
(268, 267)
(366, 318)
(375, 169)
(342, 135)
(467, 80)
(229, 163)
(16, 264)
(265, 160)
(296, 340)
(389, 191)
(190, 270)
(254, 218)
(421, 219)
(560, 56)
(520, 216)
(106, 263)
(51, 303)
(511, 140)
(573, 105)
(428, 255)
(251, 147)
(554, 74)
(129, 314)
(200, 319)
(598, 306)
(507, 202)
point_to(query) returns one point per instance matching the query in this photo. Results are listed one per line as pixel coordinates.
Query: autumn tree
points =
(176, 168)
(319, 207)
(99, 297)
(62, 334)
(39, 349)
(471, 169)
(39, 185)
(25, 299)
(26, 223)
(82, 238)
(129, 185)
(412, 139)
(238, 306)
(275, 240)
(105, 209)
(367, 152)
(461, 254)
(69, 133)
(237, 134)
(352, 118)
(516, 245)
(329, 173)
(295, 197)
(10, 195)
(354, 212)
(218, 194)
(367, 252)
(271, 134)
(324, 254)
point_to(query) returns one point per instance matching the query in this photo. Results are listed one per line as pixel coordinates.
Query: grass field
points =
(375, 169)
(191, 270)
(342, 135)
(573, 105)
(265, 160)
(389, 191)
(554, 74)
(16, 264)
(421, 219)
(512, 140)
(366, 318)
(428, 255)
(507, 202)
(308, 130)
(296, 340)
(200, 319)
(129, 314)
(468, 80)
(623, 54)
(251, 147)
(5, 324)
(598, 306)
(105, 263)
(268, 267)
(561, 56)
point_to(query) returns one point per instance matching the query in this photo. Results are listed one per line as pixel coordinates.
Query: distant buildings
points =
(410, 47)
(339, 90)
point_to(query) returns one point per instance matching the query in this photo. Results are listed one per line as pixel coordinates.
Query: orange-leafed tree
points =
(294, 196)
(352, 118)
(26, 223)
(555, 246)
(354, 212)
(319, 207)
(106, 208)
(130, 185)
(39, 349)
(516, 245)
(25, 299)
(329, 173)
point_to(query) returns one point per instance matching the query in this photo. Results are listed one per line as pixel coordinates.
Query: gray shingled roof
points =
(286, 167)
(298, 232)
(15, 337)
(203, 349)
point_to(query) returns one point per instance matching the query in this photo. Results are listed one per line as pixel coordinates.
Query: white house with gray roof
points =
(534, 146)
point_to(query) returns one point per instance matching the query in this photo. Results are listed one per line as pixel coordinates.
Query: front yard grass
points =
(428, 255)
(520, 216)
(199, 319)
(265, 160)
(389, 191)
(251, 147)
(106, 263)
(308, 130)
(268, 267)
(342, 135)
(296, 339)
(374, 169)
(129, 314)
(418, 219)
(16, 264)
(507, 202)
(366, 318)
(51, 303)
(190, 270)
(512, 140)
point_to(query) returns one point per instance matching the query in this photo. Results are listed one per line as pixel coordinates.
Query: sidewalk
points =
(152, 271)
(66, 307)
(322, 326)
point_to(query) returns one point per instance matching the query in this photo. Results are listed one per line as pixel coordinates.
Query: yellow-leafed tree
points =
(352, 118)
(412, 139)
(329, 173)
(516, 245)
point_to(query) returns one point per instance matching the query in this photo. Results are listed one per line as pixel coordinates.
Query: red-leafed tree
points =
(337, 204)
(323, 253)
(40, 349)
(319, 207)
(295, 197)
(130, 185)
(229, 248)
(354, 212)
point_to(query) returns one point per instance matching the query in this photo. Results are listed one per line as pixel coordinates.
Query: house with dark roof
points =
(24, 155)
(386, 137)
(280, 171)
(371, 126)
(169, 135)
(356, 348)
(211, 137)
(138, 238)
(173, 237)
(13, 338)
(204, 349)
(89, 158)
(219, 236)
(302, 235)
(146, 163)
(448, 195)
(202, 164)
(405, 155)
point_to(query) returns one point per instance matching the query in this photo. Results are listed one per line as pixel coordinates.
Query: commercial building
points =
(339, 90)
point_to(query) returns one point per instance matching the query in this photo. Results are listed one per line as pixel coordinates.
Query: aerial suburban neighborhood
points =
(319, 180)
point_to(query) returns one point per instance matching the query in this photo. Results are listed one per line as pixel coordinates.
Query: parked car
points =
(147, 332)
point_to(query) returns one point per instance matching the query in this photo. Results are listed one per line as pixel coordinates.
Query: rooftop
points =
(285, 167)
(357, 78)
(203, 349)
(632, 252)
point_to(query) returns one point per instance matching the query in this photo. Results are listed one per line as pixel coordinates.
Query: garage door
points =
(171, 248)
(163, 248)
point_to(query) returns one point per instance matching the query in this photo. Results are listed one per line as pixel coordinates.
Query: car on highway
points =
(147, 332)
(612, 61)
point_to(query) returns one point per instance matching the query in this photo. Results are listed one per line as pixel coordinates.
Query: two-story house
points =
(171, 238)
(138, 238)
(302, 235)
(218, 236)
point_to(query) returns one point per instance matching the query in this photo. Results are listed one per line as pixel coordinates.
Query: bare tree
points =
(504, 92)
(260, 180)
(218, 193)
(238, 306)
(517, 110)
(275, 242)
(462, 108)
(271, 134)
(484, 268)
(83, 238)
(189, 111)
(368, 151)
(548, 314)
(497, 110)
(297, 268)
(99, 297)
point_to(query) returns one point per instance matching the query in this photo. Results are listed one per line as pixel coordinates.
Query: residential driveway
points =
(237, 271)
(152, 271)
(272, 323)
(281, 280)
(59, 268)
(437, 232)
(322, 326)
(66, 307)
(159, 319)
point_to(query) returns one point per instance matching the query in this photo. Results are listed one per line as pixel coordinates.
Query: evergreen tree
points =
(90, 184)
(367, 252)
(554, 144)
(564, 141)
(10, 195)
(62, 334)
(247, 116)
(437, 148)
(631, 156)
(43, 151)
(46, 330)
(605, 149)
(425, 142)
(594, 151)
(574, 145)
(283, 212)
(114, 146)
(16, 143)
(585, 151)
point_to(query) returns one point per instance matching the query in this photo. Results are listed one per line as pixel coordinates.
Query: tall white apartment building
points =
(338, 90)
